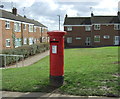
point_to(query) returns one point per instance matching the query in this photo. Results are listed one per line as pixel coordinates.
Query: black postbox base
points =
(56, 81)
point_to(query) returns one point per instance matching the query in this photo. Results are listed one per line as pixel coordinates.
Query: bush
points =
(26, 51)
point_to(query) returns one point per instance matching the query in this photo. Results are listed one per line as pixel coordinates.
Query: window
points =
(35, 41)
(25, 40)
(17, 42)
(24, 26)
(97, 27)
(7, 42)
(117, 27)
(31, 40)
(69, 28)
(40, 29)
(7, 24)
(97, 38)
(17, 27)
(35, 28)
(30, 28)
(88, 28)
(69, 39)
(78, 38)
(106, 36)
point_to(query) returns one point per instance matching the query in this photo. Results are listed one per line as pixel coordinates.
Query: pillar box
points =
(56, 57)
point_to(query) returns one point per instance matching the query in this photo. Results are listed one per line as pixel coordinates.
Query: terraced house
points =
(16, 30)
(92, 31)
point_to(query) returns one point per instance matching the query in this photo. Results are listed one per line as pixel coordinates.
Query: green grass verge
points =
(88, 71)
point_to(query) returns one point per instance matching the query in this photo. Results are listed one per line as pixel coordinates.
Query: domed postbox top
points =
(56, 33)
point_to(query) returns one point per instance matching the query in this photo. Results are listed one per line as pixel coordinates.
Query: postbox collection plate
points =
(54, 49)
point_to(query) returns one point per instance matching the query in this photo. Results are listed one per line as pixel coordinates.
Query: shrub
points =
(26, 51)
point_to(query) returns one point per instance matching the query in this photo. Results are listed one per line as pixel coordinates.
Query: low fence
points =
(5, 59)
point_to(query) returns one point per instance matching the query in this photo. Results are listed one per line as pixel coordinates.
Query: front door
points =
(88, 41)
(116, 40)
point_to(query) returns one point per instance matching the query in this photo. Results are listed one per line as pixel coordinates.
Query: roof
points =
(10, 15)
(90, 20)
(105, 19)
(77, 21)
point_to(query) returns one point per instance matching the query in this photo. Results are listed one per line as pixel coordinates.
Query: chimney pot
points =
(14, 11)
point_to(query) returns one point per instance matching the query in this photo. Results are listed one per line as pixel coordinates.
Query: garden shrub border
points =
(25, 50)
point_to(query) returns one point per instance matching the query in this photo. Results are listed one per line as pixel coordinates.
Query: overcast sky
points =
(46, 11)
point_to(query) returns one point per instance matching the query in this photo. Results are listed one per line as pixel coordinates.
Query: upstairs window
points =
(24, 26)
(30, 28)
(97, 38)
(117, 27)
(97, 27)
(69, 28)
(17, 27)
(87, 28)
(35, 28)
(7, 24)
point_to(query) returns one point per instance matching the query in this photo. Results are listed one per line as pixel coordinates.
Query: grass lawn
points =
(88, 71)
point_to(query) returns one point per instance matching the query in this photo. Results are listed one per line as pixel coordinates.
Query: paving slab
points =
(49, 95)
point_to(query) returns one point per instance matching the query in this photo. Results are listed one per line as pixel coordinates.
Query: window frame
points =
(7, 42)
(108, 36)
(69, 28)
(31, 27)
(7, 24)
(97, 38)
(88, 29)
(116, 26)
(69, 40)
(97, 26)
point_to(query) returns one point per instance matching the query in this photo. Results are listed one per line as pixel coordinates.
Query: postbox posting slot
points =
(54, 41)
(54, 49)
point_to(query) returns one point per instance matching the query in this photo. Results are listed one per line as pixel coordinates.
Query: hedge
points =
(26, 51)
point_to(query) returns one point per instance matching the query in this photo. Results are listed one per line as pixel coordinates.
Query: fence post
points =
(5, 60)
(23, 61)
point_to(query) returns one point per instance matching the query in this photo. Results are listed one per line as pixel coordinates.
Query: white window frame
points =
(18, 42)
(25, 40)
(7, 24)
(97, 26)
(24, 26)
(7, 41)
(30, 27)
(87, 28)
(31, 40)
(106, 36)
(35, 28)
(116, 26)
(78, 38)
(69, 40)
(98, 38)
(17, 27)
(69, 28)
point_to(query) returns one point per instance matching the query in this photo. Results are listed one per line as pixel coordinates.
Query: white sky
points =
(46, 11)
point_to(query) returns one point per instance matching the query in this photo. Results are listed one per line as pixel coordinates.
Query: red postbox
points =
(56, 57)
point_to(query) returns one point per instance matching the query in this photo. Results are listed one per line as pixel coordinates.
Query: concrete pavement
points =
(48, 95)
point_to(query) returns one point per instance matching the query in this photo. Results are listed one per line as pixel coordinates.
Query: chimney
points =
(92, 14)
(14, 11)
(66, 16)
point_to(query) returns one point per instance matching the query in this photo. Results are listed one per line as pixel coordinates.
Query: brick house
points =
(92, 31)
(16, 30)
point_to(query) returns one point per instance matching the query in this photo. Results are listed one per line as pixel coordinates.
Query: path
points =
(48, 95)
